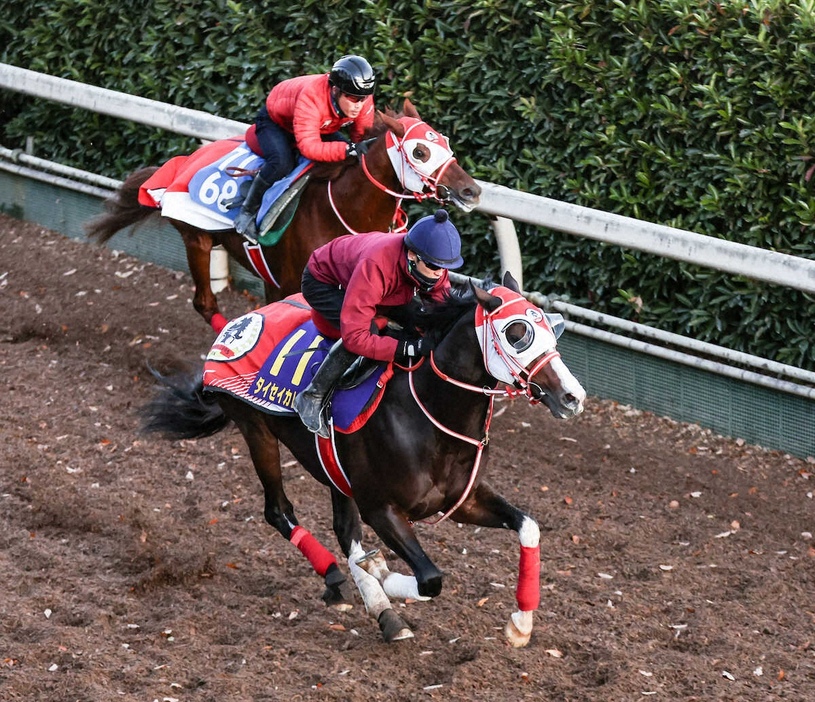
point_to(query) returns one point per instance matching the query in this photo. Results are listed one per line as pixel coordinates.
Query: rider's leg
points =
(277, 146)
(309, 402)
(326, 306)
(245, 223)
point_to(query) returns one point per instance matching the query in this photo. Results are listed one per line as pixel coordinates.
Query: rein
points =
(399, 221)
(522, 387)
(480, 444)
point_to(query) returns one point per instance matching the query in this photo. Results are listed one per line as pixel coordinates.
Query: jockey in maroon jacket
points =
(305, 114)
(349, 278)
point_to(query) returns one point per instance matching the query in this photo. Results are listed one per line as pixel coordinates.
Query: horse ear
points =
(511, 283)
(393, 124)
(409, 110)
(487, 301)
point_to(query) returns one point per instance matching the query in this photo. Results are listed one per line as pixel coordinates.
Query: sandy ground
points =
(677, 565)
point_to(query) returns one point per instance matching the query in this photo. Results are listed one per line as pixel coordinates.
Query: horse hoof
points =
(338, 596)
(393, 627)
(519, 629)
(431, 586)
(337, 593)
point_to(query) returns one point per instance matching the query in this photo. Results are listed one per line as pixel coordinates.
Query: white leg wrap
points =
(374, 597)
(402, 587)
(529, 534)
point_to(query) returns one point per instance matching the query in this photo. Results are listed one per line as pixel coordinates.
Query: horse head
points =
(519, 347)
(423, 161)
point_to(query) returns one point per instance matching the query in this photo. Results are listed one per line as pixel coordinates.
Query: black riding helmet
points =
(353, 75)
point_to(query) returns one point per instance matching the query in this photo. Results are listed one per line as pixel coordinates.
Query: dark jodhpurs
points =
(324, 298)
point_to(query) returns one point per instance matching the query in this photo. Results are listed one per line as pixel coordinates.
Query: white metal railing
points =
(503, 204)
(180, 120)
(497, 200)
(679, 244)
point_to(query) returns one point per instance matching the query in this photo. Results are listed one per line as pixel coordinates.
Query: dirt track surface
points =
(677, 565)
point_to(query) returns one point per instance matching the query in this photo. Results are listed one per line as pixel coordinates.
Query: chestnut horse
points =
(421, 454)
(357, 195)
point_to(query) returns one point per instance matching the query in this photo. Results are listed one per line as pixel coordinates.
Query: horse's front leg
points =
(198, 245)
(487, 508)
(397, 533)
(377, 604)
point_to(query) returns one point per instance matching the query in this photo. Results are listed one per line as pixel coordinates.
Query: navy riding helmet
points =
(353, 75)
(435, 240)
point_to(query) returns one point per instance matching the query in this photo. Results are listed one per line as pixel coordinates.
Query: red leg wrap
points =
(318, 555)
(218, 322)
(529, 578)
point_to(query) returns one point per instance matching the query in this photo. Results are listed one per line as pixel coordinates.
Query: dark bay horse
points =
(409, 159)
(422, 453)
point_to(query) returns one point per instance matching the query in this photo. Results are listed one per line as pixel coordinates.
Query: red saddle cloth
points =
(175, 174)
(266, 357)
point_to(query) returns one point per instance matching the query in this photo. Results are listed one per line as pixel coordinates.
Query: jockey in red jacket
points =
(305, 114)
(348, 279)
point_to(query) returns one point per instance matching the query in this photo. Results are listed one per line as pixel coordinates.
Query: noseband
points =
(522, 385)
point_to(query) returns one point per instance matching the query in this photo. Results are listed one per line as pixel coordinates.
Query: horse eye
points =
(519, 335)
(419, 154)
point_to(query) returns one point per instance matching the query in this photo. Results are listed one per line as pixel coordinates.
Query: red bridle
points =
(431, 183)
(523, 386)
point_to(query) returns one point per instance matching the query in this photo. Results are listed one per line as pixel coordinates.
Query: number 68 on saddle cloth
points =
(196, 189)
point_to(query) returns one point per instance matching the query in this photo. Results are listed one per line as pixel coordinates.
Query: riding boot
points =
(309, 403)
(245, 221)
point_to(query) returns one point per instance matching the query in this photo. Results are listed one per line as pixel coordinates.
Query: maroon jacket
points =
(303, 107)
(372, 268)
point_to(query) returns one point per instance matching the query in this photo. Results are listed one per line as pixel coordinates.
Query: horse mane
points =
(437, 318)
(331, 171)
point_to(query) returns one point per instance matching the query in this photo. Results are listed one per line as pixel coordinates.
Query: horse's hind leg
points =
(278, 511)
(486, 508)
(198, 245)
(347, 529)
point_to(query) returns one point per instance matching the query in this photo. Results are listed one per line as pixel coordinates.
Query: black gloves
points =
(410, 349)
(360, 148)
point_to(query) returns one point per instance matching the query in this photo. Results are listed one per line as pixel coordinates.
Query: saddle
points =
(279, 203)
(266, 357)
(206, 188)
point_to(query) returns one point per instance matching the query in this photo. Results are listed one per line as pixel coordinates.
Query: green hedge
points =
(697, 115)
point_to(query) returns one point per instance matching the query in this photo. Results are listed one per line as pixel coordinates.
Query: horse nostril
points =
(473, 193)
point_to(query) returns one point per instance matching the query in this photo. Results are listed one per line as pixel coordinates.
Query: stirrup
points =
(250, 231)
(313, 420)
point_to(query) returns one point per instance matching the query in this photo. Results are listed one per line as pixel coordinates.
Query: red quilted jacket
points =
(303, 107)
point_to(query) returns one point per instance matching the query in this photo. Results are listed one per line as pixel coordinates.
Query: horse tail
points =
(181, 409)
(121, 209)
